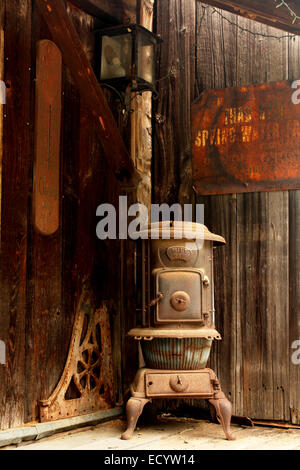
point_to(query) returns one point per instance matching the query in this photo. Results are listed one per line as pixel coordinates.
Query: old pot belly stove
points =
(178, 325)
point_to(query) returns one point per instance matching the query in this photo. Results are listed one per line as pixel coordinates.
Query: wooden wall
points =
(1, 78)
(257, 273)
(42, 277)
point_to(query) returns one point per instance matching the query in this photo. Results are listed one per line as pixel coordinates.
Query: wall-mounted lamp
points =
(127, 59)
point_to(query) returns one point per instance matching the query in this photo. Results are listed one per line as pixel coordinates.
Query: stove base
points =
(156, 383)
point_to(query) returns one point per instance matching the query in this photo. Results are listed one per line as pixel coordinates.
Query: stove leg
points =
(212, 412)
(134, 410)
(224, 411)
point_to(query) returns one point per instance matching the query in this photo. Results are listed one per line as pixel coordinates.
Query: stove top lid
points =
(179, 230)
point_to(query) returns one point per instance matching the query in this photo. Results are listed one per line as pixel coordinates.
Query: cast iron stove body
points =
(179, 322)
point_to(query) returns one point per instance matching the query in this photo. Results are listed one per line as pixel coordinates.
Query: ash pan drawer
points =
(179, 383)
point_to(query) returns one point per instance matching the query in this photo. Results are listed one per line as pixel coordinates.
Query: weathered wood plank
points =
(63, 262)
(16, 167)
(275, 68)
(294, 318)
(172, 172)
(44, 294)
(3, 318)
(230, 44)
(220, 215)
(264, 12)
(262, 241)
(293, 59)
(99, 261)
(1, 103)
(218, 50)
(85, 258)
(99, 9)
(203, 50)
(187, 43)
(38, 312)
(164, 166)
(294, 267)
(109, 11)
(294, 263)
(252, 61)
(66, 37)
(278, 304)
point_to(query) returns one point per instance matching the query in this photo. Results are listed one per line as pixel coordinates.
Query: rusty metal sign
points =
(47, 137)
(246, 139)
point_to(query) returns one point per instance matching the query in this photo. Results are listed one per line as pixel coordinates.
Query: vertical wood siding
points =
(16, 167)
(257, 273)
(42, 276)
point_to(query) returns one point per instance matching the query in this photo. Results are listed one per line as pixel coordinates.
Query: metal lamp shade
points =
(127, 57)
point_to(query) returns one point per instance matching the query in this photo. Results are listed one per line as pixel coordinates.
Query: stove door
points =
(182, 296)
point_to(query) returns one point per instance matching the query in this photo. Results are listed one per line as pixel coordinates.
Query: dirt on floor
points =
(170, 433)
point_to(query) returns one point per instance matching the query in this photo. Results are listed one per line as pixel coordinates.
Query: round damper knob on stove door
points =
(180, 300)
(178, 383)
